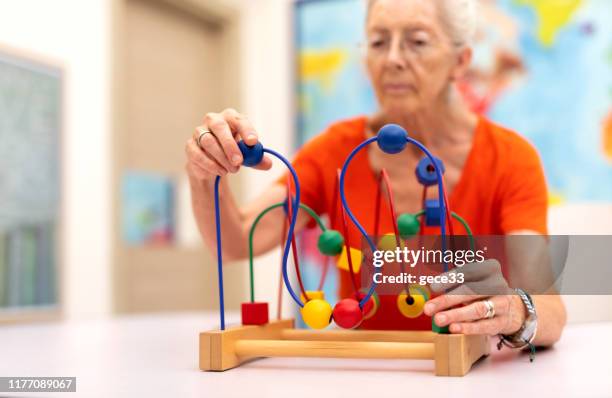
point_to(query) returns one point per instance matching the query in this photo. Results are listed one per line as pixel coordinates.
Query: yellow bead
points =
(313, 294)
(424, 290)
(411, 307)
(317, 314)
(356, 258)
(387, 242)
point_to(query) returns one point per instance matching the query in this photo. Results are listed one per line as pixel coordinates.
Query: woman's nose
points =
(395, 55)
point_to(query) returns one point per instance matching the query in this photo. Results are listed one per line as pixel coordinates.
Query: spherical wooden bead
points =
(392, 138)
(387, 242)
(330, 242)
(426, 172)
(251, 154)
(347, 314)
(411, 306)
(317, 314)
(408, 225)
(371, 306)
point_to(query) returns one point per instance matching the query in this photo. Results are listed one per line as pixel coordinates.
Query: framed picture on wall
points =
(31, 106)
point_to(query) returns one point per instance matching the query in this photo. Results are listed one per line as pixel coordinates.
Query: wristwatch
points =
(525, 335)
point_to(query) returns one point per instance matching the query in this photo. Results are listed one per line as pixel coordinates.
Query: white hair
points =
(459, 17)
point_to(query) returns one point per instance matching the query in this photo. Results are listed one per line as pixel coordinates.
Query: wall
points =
(76, 34)
(267, 85)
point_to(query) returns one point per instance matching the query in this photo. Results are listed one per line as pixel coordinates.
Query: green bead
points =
(437, 329)
(408, 225)
(330, 242)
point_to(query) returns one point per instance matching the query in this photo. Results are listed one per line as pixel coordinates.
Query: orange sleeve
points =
(308, 167)
(524, 200)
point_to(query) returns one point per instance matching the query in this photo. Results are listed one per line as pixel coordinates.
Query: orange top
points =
(502, 189)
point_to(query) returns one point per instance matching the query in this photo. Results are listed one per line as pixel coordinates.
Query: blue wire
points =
(219, 254)
(365, 299)
(440, 195)
(350, 213)
(291, 224)
(287, 246)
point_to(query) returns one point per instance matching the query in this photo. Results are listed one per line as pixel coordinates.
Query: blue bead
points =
(425, 172)
(252, 155)
(392, 138)
(432, 213)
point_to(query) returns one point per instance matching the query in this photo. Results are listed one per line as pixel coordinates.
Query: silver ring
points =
(490, 309)
(202, 132)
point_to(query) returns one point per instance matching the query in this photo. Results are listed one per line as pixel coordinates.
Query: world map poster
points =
(541, 67)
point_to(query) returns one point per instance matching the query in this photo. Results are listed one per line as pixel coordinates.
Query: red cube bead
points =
(254, 313)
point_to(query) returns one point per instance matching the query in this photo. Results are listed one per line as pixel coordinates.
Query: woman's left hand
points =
(463, 307)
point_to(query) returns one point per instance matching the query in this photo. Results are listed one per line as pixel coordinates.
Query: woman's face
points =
(410, 57)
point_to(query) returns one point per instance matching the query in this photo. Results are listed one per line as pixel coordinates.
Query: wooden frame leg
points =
(456, 353)
(218, 347)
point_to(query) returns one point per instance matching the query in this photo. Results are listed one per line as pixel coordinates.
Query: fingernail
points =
(455, 328)
(430, 308)
(441, 319)
(251, 137)
(236, 159)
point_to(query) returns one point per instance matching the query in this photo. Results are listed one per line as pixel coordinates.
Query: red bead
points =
(370, 307)
(254, 313)
(347, 313)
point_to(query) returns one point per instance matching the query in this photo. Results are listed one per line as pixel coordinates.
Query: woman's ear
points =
(464, 60)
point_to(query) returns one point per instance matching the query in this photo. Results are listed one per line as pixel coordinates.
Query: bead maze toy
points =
(453, 354)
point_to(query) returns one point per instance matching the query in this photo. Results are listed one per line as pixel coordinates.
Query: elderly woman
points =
(416, 52)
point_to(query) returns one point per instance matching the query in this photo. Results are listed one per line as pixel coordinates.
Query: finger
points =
(221, 129)
(473, 272)
(490, 327)
(241, 125)
(462, 294)
(452, 278)
(202, 160)
(211, 146)
(266, 164)
(475, 311)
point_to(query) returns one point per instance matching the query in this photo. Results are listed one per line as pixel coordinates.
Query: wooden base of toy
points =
(453, 354)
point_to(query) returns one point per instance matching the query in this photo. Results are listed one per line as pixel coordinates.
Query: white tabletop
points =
(157, 355)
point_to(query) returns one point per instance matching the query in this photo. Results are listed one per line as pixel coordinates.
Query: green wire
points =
(252, 233)
(457, 217)
(467, 229)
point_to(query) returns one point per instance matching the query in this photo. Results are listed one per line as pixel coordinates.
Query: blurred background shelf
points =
(11, 315)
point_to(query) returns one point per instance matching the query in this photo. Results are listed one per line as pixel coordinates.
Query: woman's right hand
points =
(218, 152)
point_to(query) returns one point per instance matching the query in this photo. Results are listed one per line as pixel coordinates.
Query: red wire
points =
(280, 276)
(296, 262)
(385, 177)
(347, 245)
(332, 217)
(423, 199)
(448, 212)
(377, 207)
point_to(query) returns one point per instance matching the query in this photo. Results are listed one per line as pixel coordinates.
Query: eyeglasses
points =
(410, 44)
